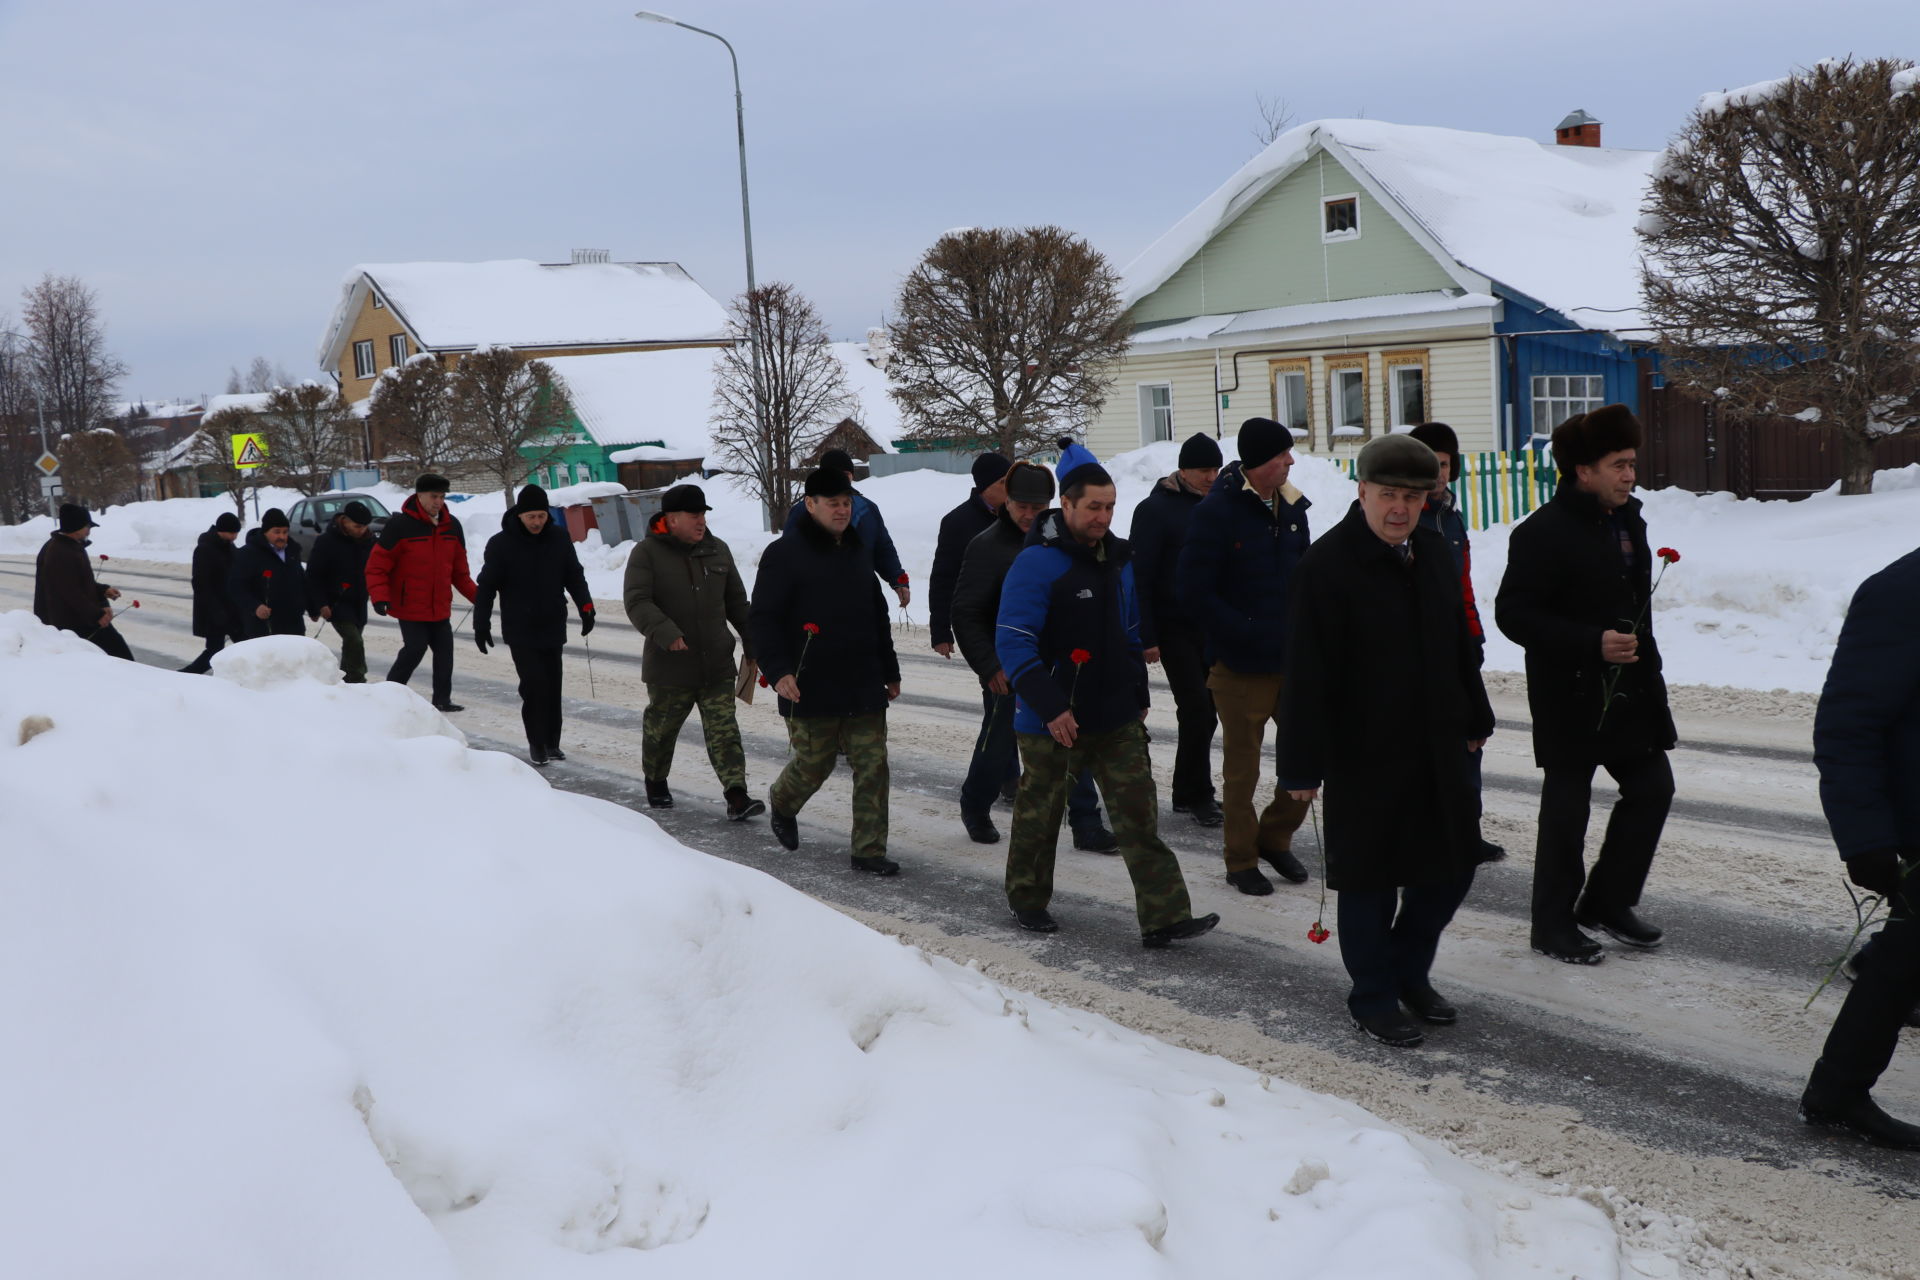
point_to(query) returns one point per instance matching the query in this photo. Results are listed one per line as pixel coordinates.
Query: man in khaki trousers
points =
(1235, 570)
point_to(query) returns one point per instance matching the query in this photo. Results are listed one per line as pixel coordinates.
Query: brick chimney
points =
(1577, 130)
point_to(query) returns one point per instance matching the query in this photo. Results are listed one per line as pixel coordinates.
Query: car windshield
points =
(374, 505)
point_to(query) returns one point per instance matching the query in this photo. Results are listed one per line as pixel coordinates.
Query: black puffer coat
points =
(1382, 696)
(1566, 582)
(215, 611)
(958, 528)
(1236, 568)
(337, 574)
(1157, 534)
(533, 574)
(976, 595)
(806, 577)
(260, 576)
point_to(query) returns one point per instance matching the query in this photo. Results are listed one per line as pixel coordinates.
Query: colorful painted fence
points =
(1495, 488)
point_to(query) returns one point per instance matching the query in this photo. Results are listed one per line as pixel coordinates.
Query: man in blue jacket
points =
(1068, 638)
(1866, 744)
(868, 526)
(1242, 544)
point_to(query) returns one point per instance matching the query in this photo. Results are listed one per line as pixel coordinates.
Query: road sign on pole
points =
(249, 450)
(47, 464)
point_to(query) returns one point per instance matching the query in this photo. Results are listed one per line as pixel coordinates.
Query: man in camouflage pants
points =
(818, 742)
(1068, 637)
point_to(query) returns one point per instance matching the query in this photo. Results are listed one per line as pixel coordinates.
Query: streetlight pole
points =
(746, 230)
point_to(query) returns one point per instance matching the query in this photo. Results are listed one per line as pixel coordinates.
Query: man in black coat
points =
(1383, 697)
(337, 584)
(65, 594)
(1577, 596)
(1242, 544)
(1172, 637)
(820, 632)
(1866, 744)
(268, 583)
(959, 527)
(216, 618)
(532, 567)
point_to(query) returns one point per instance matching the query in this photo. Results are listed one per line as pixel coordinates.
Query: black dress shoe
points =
(1095, 839)
(880, 865)
(1036, 921)
(741, 806)
(785, 826)
(448, 708)
(1568, 945)
(1862, 1117)
(1490, 852)
(1290, 868)
(1390, 1027)
(1250, 882)
(1191, 927)
(980, 828)
(658, 797)
(1621, 924)
(1429, 1005)
(555, 753)
(537, 756)
(1205, 812)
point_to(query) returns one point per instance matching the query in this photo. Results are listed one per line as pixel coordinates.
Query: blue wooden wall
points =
(1532, 353)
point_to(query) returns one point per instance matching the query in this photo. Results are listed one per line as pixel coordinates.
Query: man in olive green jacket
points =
(683, 589)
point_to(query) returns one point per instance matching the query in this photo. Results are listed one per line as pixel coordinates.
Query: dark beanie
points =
(274, 519)
(357, 512)
(1440, 438)
(1261, 441)
(532, 498)
(431, 483)
(1201, 452)
(1029, 482)
(827, 482)
(838, 459)
(227, 523)
(987, 469)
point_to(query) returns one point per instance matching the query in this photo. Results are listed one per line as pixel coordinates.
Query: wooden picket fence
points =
(1496, 488)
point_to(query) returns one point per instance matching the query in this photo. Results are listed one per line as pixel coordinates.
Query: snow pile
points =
(476, 1027)
(164, 531)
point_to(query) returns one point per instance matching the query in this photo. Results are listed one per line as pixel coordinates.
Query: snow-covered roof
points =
(246, 402)
(1554, 224)
(1447, 308)
(154, 409)
(454, 306)
(634, 397)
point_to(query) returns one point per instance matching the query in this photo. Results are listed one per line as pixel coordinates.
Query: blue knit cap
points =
(1072, 456)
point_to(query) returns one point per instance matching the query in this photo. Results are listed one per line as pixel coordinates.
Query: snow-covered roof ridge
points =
(1552, 223)
(521, 303)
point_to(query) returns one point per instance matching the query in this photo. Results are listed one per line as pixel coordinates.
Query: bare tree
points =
(1005, 338)
(97, 468)
(67, 346)
(410, 415)
(19, 433)
(1276, 117)
(511, 415)
(212, 453)
(310, 434)
(1782, 253)
(802, 388)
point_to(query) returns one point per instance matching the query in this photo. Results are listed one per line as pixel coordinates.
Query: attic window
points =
(379, 304)
(1340, 218)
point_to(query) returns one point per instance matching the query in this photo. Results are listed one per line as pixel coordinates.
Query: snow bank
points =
(375, 1005)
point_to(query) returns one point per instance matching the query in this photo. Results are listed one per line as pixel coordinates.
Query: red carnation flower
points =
(136, 604)
(1318, 933)
(1665, 553)
(104, 557)
(811, 628)
(1080, 657)
(267, 573)
(764, 684)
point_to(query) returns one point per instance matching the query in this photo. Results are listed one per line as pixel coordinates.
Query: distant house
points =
(569, 314)
(1358, 276)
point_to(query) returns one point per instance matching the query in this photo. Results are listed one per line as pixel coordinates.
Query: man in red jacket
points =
(411, 574)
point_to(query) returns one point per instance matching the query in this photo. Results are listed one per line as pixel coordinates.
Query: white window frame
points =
(1338, 428)
(363, 365)
(582, 473)
(1278, 371)
(397, 349)
(1150, 412)
(378, 303)
(1336, 237)
(1558, 396)
(1395, 363)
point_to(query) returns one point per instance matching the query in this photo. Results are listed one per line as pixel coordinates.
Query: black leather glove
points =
(482, 636)
(586, 621)
(380, 607)
(1877, 871)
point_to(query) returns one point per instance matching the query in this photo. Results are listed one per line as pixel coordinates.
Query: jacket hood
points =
(211, 538)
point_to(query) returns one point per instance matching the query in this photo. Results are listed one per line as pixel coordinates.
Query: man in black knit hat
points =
(268, 582)
(957, 528)
(867, 523)
(1171, 636)
(337, 584)
(216, 618)
(65, 594)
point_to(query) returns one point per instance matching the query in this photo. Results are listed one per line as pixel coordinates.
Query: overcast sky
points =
(214, 167)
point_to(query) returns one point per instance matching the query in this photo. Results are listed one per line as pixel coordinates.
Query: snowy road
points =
(1667, 1080)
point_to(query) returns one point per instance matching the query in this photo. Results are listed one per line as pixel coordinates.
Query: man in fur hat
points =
(1577, 596)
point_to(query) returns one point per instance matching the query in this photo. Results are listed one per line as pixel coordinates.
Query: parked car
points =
(311, 516)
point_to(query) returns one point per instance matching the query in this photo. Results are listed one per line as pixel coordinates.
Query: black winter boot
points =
(658, 797)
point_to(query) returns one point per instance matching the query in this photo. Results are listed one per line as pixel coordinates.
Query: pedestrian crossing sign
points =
(249, 450)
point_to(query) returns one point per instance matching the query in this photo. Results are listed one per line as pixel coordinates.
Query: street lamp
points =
(746, 230)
